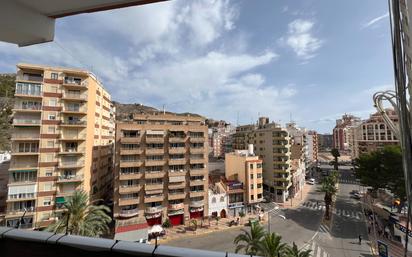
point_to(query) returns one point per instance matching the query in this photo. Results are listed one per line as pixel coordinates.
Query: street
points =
(348, 223)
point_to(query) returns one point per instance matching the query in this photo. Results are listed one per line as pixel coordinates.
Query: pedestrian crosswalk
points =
(316, 250)
(314, 205)
(348, 214)
(348, 181)
(352, 214)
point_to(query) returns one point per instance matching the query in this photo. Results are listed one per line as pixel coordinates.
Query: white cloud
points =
(301, 39)
(375, 20)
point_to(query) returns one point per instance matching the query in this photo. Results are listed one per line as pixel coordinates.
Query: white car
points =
(311, 181)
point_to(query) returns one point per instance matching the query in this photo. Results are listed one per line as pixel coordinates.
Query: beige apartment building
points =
(161, 170)
(62, 142)
(373, 134)
(272, 144)
(245, 167)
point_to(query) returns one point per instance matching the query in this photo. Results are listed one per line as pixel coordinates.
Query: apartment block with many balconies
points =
(161, 170)
(62, 141)
(272, 144)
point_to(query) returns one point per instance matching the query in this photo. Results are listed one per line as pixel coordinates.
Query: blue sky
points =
(312, 60)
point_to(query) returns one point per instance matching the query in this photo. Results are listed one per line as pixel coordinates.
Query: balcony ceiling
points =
(27, 22)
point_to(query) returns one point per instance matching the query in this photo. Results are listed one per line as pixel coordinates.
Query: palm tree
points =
(271, 246)
(82, 218)
(295, 252)
(335, 153)
(249, 241)
(329, 188)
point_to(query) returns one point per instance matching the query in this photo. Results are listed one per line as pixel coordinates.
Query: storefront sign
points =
(403, 229)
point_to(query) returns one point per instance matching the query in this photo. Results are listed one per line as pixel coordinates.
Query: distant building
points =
(313, 145)
(325, 142)
(272, 143)
(373, 134)
(218, 200)
(220, 141)
(244, 166)
(341, 134)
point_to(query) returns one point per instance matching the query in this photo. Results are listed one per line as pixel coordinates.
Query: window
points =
(47, 187)
(251, 166)
(52, 102)
(50, 143)
(48, 158)
(259, 196)
(47, 201)
(252, 197)
(51, 130)
(54, 75)
(251, 176)
(259, 185)
(259, 175)
(49, 173)
(28, 89)
(52, 116)
(222, 199)
(252, 186)
(259, 165)
(213, 200)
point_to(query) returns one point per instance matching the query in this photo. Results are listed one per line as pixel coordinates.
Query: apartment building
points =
(245, 167)
(219, 139)
(325, 142)
(341, 136)
(272, 144)
(373, 134)
(161, 170)
(62, 140)
(313, 146)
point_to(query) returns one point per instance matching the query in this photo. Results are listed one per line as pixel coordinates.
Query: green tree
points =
(329, 188)
(271, 246)
(295, 252)
(82, 218)
(249, 242)
(383, 169)
(335, 153)
(194, 223)
(7, 86)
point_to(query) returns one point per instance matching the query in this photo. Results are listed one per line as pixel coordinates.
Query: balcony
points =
(70, 179)
(72, 150)
(75, 83)
(154, 174)
(126, 189)
(176, 185)
(197, 139)
(26, 122)
(155, 162)
(73, 137)
(176, 196)
(26, 108)
(74, 110)
(74, 97)
(198, 172)
(18, 136)
(154, 186)
(176, 206)
(195, 150)
(281, 154)
(71, 164)
(20, 165)
(174, 173)
(130, 139)
(197, 204)
(152, 210)
(153, 198)
(131, 151)
(23, 196)
(155, 151)
(17, 152)
(126, 164)
(197, 182)
(73, 123)
(197, 193)
(177, 139)
(128, 201)
(19, 212)
(128, 213)
(129, 176)
(197, 160)
(181, 161)
(177, 150)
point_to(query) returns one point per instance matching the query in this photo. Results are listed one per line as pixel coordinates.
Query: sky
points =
(307, 61)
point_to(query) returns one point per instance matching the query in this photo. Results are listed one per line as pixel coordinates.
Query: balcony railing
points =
(75, 96)
(154, 209)
(74, 109)
(176, 206)
(81, 136)
(70, 178)
(73, 150)
(131, 212)
(25, 107)
(26, 121)
(73, 122)
(25, 136)
(22, 196)
(71, 163)
(17, 211)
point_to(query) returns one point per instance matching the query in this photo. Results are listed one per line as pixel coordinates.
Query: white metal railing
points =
(21, 196)
(70, 177)
(26, 121)
(71, 163)
(131, 211)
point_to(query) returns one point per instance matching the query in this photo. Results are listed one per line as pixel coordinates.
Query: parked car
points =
(356, 196)
(354, 192)
(311, 181)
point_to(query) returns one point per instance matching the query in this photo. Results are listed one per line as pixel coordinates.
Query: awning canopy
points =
(60, 200)
(27, 22)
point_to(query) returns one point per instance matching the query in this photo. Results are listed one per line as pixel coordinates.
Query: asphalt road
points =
(300, 226)
(348, 223)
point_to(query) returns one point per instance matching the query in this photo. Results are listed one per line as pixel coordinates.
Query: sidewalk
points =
(299, 198)
(395, 249)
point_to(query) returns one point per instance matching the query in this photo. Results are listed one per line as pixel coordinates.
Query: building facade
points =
(373, 134)
(272, 144)
(62, 141)
(161, 170)
(245, 167)
(341, 134)
(218, 200)
(313, 146)
(325, 142)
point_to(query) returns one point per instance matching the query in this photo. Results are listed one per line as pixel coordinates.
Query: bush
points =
(167, 224)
